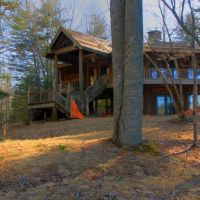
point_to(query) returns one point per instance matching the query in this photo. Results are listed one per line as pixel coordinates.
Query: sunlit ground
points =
(76, 159)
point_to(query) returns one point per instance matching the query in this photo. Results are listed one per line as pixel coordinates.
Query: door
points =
(92, 75)
(164, 105)
(160, 105)
(104, 70)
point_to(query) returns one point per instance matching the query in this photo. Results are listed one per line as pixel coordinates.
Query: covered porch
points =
(82, 70)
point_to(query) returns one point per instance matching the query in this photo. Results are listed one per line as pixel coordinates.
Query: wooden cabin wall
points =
(97, 66)
(69, 74)
(152, 91)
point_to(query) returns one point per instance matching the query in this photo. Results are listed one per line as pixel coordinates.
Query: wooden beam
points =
(66, 50)
(81, 81)
(64, 65)
(55, 77)
(91, 57)
(44, 105)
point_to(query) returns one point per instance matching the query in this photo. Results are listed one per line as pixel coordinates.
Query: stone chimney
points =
(154, 35)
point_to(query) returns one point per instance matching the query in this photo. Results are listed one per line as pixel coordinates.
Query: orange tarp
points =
(75, 112)
(190, 112)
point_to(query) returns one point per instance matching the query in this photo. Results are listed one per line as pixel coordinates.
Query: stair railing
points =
(93, 91)
(63, 102)
(81, 104)
(85, 98)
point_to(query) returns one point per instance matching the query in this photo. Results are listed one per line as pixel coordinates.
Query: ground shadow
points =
(98, 168)
(57, 129)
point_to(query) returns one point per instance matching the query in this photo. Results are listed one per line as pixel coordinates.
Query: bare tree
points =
(96, 25)
(167, 57)
(192, 32)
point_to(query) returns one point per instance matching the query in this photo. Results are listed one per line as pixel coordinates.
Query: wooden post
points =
(111, 99)
(106, 105)
(54, 113)
(60, 80)
(68, 90)
(40, 95)
(81, 70)
(55, 77)
(96, 106)
(70, 99)
(95, 75)
(55, 84)
(28, 95)
(87, 107)
(45, 116)
(30, 117)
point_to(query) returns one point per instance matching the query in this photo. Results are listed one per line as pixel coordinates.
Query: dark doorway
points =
(103, 70)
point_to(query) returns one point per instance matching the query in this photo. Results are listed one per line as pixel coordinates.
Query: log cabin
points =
(83, 72)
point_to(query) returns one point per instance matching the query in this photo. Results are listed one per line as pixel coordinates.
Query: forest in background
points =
(26, 30)
(79, 158)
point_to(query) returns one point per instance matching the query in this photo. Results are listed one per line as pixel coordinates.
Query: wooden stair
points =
(94, 90)
(63, 104)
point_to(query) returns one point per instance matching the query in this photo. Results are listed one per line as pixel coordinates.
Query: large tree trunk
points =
(127, 37)
(118, 33)
(195, 96)
(131, 121)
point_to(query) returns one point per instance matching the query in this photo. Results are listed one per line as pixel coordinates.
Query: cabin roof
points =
(101, 46)
(170, 47)
(176, 44)
(90, 42)
(84, 41)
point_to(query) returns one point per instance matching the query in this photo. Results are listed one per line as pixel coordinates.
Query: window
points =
(190, 101)
(164, 105)
(154, 73)
(190, 74)
(164, 72)
(175, 73)
(198, 74)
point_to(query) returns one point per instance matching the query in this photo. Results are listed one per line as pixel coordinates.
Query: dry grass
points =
(75, 159)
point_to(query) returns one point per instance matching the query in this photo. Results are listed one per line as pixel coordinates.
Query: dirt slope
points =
(76, 159)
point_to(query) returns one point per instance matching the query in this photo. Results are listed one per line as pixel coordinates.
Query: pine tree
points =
(31, 32)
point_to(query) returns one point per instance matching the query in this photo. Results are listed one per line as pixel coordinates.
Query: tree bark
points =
(127, 37)
(118, 33)
(195, 96)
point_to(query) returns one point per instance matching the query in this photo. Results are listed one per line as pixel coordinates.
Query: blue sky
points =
(150, 8)
(84, 7)
(151, 20)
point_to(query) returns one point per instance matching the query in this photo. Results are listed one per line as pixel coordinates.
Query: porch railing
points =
(154, 74)
(39, 96)
(66, 86)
